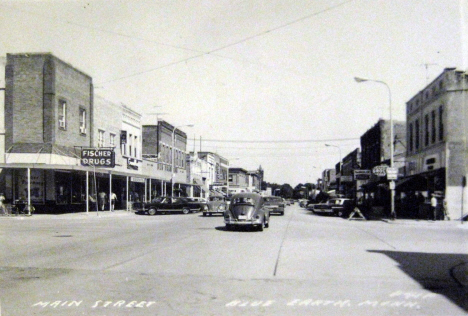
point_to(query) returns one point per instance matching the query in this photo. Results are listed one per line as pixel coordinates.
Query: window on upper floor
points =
(135, 147)
(433, 127)
(130, 142)
(62, 115)
(411, 137)
(416, 134)
(441, 122)
(82, 114)
(426, 130)
(112, 138)
(101, 134)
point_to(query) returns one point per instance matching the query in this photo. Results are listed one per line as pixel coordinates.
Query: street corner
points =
(460, 274)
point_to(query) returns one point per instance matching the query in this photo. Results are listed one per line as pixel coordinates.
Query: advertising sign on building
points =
(392, 173)
(362, 174)
(104, 158)
(380, 171)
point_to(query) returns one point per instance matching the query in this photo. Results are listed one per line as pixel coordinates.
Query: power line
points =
(280, 141)
(88, 27)
(230, 45)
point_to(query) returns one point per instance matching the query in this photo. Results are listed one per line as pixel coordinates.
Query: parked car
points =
(338, 206)
(216, 205)
(169, 205)
(303, 202)
(276, 204)
(197, 199)
(247, 209)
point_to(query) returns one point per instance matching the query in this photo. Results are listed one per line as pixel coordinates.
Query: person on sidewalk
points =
(113, 200)
(2, 204)
(102, 199)
(434, 207)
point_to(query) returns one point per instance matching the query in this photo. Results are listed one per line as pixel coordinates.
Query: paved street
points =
(126, 264)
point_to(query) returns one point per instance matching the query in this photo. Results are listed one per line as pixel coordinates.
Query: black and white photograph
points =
(233, 157)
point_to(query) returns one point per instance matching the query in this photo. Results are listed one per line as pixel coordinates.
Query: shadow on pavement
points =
(436, 272)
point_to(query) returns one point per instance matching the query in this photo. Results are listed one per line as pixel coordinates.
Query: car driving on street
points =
(275, 204)
(216, 205)
(247, 210)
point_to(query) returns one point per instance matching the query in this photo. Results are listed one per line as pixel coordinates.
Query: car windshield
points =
(243, 200)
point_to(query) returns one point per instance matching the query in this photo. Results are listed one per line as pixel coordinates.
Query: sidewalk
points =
(79, 215)
(106, 213)
(422, 222)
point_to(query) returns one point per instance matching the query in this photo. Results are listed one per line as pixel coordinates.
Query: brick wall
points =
(34, 85)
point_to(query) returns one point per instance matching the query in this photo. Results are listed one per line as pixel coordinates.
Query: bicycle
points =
(27, 210)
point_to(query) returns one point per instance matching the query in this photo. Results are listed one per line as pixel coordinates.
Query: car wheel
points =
(267, 224)
(340, 214)
(282, 213)
(185, 210)
(260, 227)
(152, 211)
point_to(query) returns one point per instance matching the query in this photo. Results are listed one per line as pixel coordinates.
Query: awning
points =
(412, 183)
(199, 183)
(372, 186)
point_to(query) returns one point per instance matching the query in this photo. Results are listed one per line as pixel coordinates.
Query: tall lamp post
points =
(339, 148)
(173, 151)
(391, 182)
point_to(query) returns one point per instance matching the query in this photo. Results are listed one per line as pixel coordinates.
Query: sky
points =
(265, 83)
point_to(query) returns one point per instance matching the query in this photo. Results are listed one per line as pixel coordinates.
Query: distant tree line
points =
(300, 191)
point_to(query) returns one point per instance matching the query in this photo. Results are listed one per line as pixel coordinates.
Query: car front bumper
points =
(246, 222)
(323, 210)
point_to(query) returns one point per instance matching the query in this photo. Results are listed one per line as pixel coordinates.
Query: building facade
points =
(51, 116)
(375, 151)
(437, 126)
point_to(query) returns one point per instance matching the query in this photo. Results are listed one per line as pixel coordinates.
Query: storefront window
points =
(62, 188)
(36, 183)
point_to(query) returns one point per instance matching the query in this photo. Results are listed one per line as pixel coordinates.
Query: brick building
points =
(437, 127)
(375, 151)
(50, 115)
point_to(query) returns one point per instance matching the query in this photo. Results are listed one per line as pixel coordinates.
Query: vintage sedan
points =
(247, 210)
(275, 204)
(162, 205)
(216, 205)
(338, 206)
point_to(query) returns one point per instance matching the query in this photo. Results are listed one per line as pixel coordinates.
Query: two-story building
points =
(375, 151)
(52, 116)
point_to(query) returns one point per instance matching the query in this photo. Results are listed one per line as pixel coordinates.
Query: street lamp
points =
(173, 160)
(391, 182)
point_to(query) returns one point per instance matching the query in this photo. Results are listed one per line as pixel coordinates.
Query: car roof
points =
(257, 198)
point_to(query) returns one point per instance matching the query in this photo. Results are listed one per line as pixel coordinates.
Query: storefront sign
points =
(362, 174)
(136, 179)
(392, 173)
(98, 157)
(380, 171)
